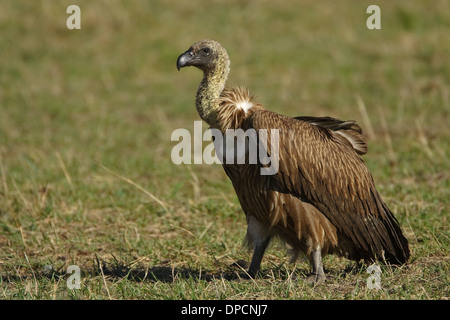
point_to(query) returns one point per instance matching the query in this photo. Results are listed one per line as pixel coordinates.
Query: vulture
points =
(321, 199)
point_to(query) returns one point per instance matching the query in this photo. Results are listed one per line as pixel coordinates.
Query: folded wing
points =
(319, 165)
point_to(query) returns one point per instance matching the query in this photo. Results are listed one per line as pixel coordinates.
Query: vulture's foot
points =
(315, 279)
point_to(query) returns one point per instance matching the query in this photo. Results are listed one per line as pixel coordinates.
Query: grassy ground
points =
(86, 117)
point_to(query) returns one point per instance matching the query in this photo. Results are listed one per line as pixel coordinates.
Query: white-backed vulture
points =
(322, 200)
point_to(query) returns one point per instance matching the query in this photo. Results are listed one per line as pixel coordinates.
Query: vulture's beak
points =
(184, 59)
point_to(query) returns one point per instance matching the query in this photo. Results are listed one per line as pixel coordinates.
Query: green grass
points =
(86, 117)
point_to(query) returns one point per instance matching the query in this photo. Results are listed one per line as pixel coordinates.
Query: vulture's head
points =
(207, 55)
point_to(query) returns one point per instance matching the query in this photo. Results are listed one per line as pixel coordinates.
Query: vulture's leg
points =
(258, 253)
(318, 275)
(259, 237)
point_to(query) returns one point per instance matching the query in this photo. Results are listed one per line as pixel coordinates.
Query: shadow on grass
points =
(233, 272)
(121, 270)
(169, 274)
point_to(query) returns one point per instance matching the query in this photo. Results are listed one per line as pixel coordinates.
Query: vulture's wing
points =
(320, 168)
(348, 132)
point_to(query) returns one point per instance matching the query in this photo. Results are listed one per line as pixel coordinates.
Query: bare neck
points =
(209, 90)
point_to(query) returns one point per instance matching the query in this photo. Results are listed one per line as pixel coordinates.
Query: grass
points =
(86, 118)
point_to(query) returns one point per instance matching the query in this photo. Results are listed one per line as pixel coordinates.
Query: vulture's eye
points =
(206, 51)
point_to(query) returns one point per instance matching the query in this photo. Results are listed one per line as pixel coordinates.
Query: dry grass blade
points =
(366, 119)
(388, 139)
(148, 193)
(103, 277)
(64, 168)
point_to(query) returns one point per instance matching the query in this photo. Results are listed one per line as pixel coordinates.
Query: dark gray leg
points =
(258, 253)
(258, 237)
(318, 275)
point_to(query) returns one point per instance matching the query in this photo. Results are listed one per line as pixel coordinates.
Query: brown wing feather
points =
(347, 131)
(320, 169)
